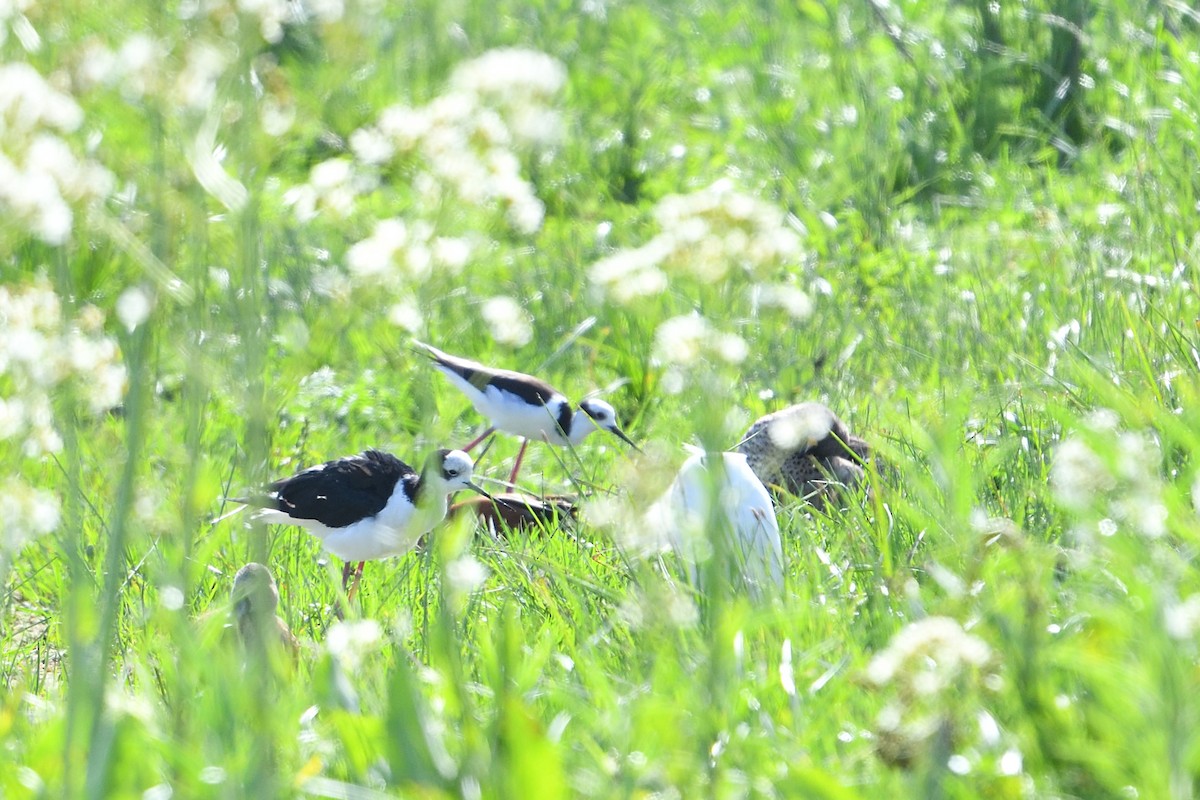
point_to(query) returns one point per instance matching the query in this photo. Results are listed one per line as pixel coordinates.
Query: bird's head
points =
(254, 591)
(455, 470)
(604, 417)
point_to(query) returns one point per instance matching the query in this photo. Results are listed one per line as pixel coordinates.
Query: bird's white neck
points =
(581, 427)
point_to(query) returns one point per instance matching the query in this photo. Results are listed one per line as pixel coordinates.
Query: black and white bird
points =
(807, 450)
(525, 406)
(368, 506)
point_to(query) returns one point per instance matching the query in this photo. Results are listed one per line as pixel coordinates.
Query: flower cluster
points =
(930, 668)
(27, 512)
(398, 252)
(41, 350)
(41, 177)
(507, 321)
(705, 235)
(465, 143)
(682, 342)
(1114, 475)
(268, 16)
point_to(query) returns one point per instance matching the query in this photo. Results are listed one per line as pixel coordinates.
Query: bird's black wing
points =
(341, 492)
(530, 389)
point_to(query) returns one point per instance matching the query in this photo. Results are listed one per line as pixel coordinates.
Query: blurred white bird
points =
(718, 508)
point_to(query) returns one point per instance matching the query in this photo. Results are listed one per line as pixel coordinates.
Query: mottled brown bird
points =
(808, 451)
(255, 598)
(514, 511)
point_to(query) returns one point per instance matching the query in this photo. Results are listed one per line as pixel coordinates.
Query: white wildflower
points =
(808, 424)
(690, 338)
(40, 175)
(682, 340)
(928, 656)
(133, 307)
(204, 63)
(40, 350)
(465, 574)
(350, 642)
(407, 314)
(326, 11)
(507, 321)
(333, 185)
(28, 513)
(465, 141)
(704, 237)
(1182, 619)
(1078, 475)
(794, 301)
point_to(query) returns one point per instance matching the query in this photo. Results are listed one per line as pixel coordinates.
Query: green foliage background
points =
(971, 177)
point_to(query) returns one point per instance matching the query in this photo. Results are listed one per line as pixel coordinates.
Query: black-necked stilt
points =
(369, 506)
(807, 450)
(525, 406)
(718, 495)
(255, 598)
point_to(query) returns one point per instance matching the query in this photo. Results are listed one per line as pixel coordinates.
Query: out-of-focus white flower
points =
(40, 350)
(704, 237)
(407, 314)
(1111, 474)
(350, 642)
(521, 84)
(507, 321)
(327, 11)
(204, 63)
(28, 513)
(133, 307)
(686, 339)
(40, 175)
(466, 141)
(928, 656)
(1182, 619)
(792, 299)
(333, 185)
(465, 574)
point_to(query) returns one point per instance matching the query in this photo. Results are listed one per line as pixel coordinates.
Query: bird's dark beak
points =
(481, 491)
(621, 434)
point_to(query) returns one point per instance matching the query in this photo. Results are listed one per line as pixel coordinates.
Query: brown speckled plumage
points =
(806, 450)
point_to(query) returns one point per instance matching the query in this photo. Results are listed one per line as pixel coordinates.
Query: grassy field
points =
(969, 228)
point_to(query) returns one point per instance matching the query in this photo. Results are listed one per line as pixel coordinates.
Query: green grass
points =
(965, 210)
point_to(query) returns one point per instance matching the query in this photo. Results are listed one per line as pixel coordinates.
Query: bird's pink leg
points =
(520, 455)
(476, 442)
(357, 579)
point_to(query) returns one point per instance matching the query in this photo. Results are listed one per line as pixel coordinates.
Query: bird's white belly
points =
(510, 413)
(393, 531)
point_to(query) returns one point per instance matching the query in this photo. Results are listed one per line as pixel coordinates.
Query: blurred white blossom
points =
(706, 236)
(133, 307)
(465, 143)
(465, 574)
(507, 321)
(928, 656)
(686, 339)
(398, 253)
(333, 185)
(28, 513)
(41, 177)
(1103, 472)
(350, 642)
(930, 671)
(40, 350)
